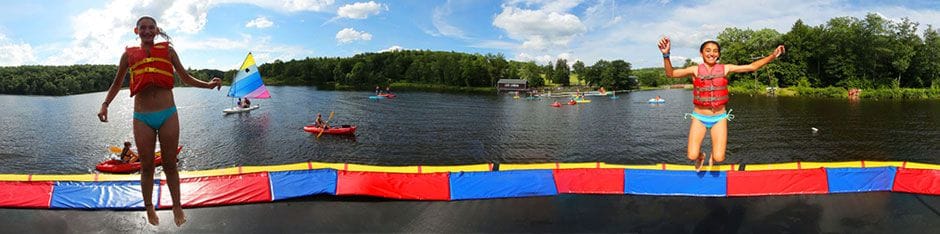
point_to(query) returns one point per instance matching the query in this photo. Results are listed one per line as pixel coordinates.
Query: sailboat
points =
(247, 84)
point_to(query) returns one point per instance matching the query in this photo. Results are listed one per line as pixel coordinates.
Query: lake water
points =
(56, 135)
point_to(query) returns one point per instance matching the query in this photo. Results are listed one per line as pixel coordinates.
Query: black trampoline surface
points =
(878, 212)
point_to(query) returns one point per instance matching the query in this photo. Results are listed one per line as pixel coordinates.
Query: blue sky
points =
(217, 34)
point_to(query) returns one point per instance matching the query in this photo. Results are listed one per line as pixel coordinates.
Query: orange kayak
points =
(118, 166)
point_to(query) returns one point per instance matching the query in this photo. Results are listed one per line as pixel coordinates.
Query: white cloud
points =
(439, 19)
(100, 35)
(262, 48)
(348, 35)
(285, 5)
(548, 5)
(184, 16)
(545, 58)
(14, 54)
(359, 10)
(260, 22)
(540, 29)
(634, 37)
(393, 48)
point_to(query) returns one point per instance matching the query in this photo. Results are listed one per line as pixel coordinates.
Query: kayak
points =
(376, 97)
(239, 109)
(653, 100)
(583, 100)
(342, 130)
(388, 95)
(572, 102)
(118, 166)
(556, 104)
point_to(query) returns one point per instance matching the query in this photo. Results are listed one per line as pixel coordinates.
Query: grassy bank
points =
(404, 86)
(839, 92)
(831, 92)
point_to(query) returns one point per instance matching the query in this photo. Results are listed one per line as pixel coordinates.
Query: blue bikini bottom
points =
(710, 120)
(155, 119)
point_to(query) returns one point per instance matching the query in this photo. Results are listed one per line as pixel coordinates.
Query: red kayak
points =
(387, 95)
(118, 166)
(342, 130)
(556, 104)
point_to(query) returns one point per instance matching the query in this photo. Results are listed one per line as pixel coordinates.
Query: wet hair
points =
(159, 30)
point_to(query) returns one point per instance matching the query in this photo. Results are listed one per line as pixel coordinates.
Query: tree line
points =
(364, 71)
(68, 80)
(846, 52)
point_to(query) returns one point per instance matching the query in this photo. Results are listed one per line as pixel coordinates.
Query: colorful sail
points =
(248, 83)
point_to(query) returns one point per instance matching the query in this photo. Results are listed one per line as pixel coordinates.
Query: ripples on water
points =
(62, 134)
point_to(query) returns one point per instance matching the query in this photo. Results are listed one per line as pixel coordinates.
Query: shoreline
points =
(829, 92)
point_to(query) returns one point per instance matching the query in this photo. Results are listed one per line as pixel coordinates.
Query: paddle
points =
(323, 128)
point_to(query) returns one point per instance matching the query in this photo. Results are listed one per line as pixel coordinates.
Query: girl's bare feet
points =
(152, 215)
(179, 215)
(711, 160)
(699, 161)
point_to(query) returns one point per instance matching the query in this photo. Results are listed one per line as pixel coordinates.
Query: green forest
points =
(845, 52)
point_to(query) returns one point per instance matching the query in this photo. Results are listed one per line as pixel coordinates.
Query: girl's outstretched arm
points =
(115, 87)
(664, 46)
(730, 68)
(188, 79)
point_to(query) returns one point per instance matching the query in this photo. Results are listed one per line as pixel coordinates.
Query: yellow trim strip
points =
(151, 70)
(459, 168)
(150, 59)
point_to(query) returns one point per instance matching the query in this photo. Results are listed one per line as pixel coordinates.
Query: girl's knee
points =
(719, 157)
(169, 166)
(694, 155)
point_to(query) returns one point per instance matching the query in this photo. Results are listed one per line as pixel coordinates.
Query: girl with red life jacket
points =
(710, 94)
(152, 66)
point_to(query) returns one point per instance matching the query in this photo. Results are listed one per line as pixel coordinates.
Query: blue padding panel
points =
(100, 195)
(500, 184)
(847, 180)
(689, 183)
(290, 184)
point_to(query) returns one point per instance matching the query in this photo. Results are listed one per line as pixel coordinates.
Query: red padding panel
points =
(777, 182)
(922, 181)
(25, 194)
(589, 181)
(430, 186)
(219, 190)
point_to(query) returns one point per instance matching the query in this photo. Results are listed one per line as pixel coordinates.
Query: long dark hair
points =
(159, 30)
(702, 48)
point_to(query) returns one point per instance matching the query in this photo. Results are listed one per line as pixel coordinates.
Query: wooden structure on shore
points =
(512, 85)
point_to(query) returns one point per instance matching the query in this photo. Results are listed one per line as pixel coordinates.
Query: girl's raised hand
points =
(215, 83)
(664, 45)
(779, 51)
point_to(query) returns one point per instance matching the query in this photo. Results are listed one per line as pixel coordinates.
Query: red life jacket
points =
(710, 87)
(155, 69)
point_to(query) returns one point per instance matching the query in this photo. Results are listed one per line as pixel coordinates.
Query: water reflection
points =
(62, 134)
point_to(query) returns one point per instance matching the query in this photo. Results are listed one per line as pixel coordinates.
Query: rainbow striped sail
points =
(248, 83)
